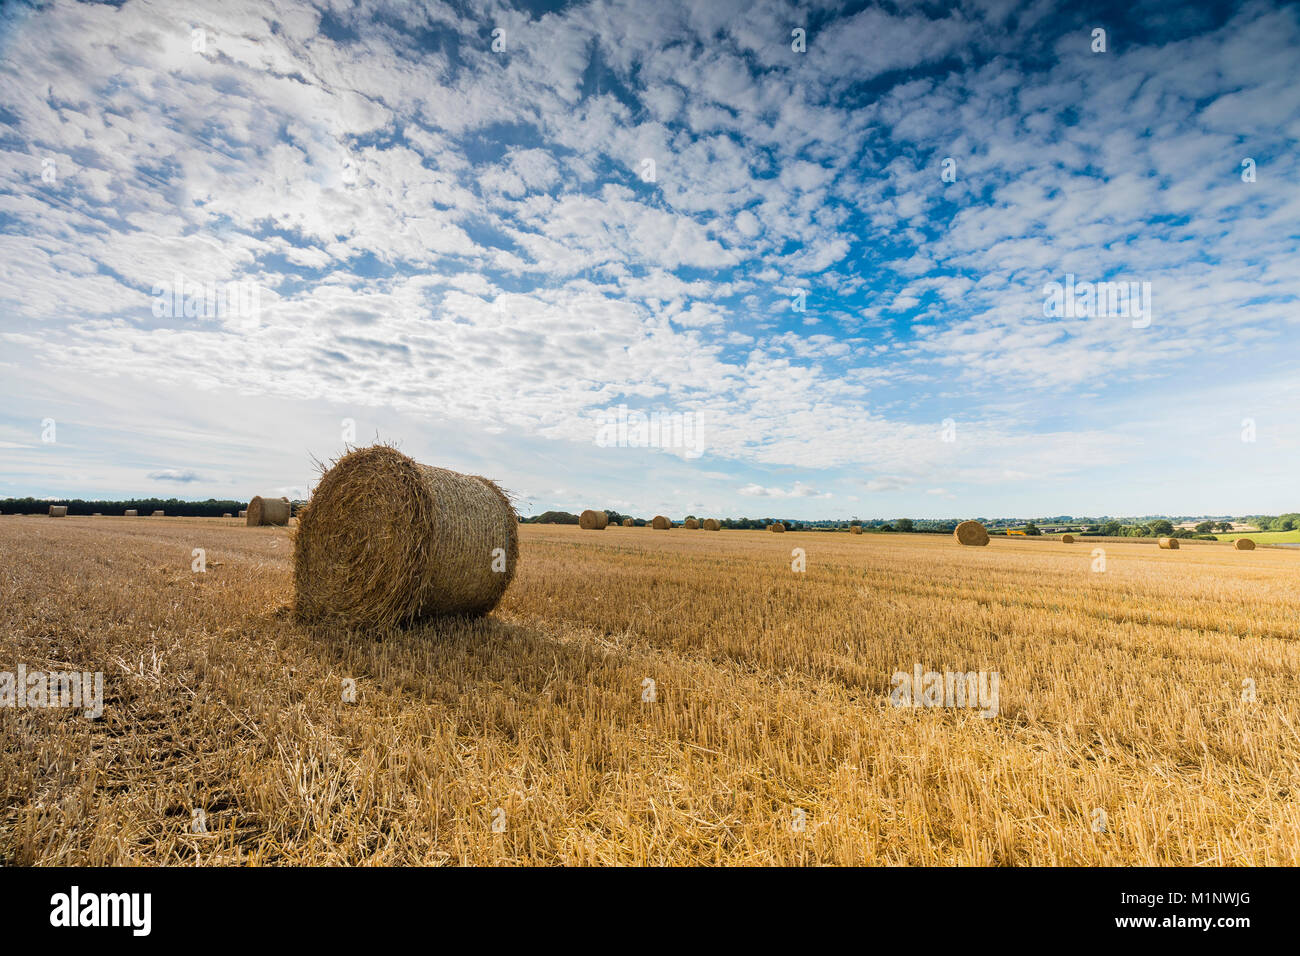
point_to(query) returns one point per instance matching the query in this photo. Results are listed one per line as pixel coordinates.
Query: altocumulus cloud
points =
(678, 212)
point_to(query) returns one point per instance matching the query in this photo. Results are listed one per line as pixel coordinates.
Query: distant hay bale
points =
(131, 513)
(855, 529)
(261, 511)
(1244, 544)
(692, 524)
(628, 522)
(972, 534)
(58, 511)
(660, 523)
(243, 514)
(388, 540)
(778, 528)
(1067, 539)
(593, 520)
(98, 514)
(712, 524)
(159, 514)
(1169, 544)
(227, 515)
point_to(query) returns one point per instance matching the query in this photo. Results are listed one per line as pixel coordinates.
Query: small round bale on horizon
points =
(58, 511)
(1067, 539)
(972, 534)
(389, 540)
(855, 529)
(263, 511)
(1244, 544)
(131, 513)
(593, 520)
(712, 524)
(159, 514)
(1168, 544)
(777, 528)
(692, 524)
(660, 523)
(628, 522)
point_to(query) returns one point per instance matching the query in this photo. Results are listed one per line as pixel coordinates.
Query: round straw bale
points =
(98, 514)
(58, 511)
(131, 513)
(388, 540)
(660, 523)
(159, 514)
(243, 514)
(778, 527)
(1067, 539)
(628, 522)
(227, 515)
(1244, 544)
(692, 524)
(855, 529)
(1169, 544)
(712, 524)
(593, 520)
(267, 511)
(971, 533)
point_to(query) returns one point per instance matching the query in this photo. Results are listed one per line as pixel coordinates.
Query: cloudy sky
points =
(821, 240)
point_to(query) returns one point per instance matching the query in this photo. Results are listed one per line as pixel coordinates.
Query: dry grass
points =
(1119, 690)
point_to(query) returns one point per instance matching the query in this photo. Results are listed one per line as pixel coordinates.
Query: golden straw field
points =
(530, 737)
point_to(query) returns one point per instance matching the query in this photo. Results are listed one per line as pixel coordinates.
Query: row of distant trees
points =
(212, 508)
(1112, 528)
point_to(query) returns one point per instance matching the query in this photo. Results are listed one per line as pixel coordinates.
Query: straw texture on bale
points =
(267, 511)
(779, 528)
(388, 540)
(1244, 544)
(971, 533)
(58, 511)
(160, 514)
(855, 529)
(692, 524)
(712, 524)
(1067, 539)
(1169, 544)
(132, 513)
(593, 520)
(660, 523)
(628, 522)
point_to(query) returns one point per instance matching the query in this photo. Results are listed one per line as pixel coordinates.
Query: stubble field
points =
(530, 737)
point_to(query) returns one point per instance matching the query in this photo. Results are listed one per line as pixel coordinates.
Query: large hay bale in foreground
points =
(855, 529)
(712, 524)
(1067, 539)
(660, 523)
(692, 524)
(628, 522)
(58, 511)
(593, 520)
(778, 528)
(388, 540)
(971, 533)
(1244, 544)
(160, 514)
(267, 511)
(1169, 544)
(131, 513)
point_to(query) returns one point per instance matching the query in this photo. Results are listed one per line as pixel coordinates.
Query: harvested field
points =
(1119, 690)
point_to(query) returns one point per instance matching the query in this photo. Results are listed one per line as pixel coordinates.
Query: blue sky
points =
(466, 251)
